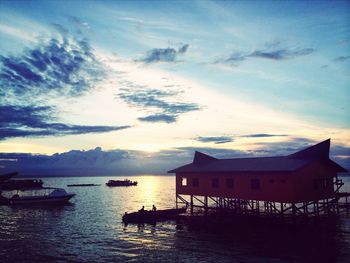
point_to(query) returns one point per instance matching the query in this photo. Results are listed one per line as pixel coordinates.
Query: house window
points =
(255, 184)
(215, 183)
(326, 183)
(184, 181)
(229, 183)
(195, 182)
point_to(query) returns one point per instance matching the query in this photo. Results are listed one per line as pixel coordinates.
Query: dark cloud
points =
(281, 148)
(341, 58)
(262, 135)
(272, 52)
(99, 162)
(215, 139)
(64, 67)
(281, 54)
(340, 150)
(217, 153)
(159, 118)
(183, 49)
(164, 54)
(156, 99)
(37, 121)
(59, 67)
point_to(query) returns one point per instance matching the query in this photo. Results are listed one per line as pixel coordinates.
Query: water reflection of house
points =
(297, 183)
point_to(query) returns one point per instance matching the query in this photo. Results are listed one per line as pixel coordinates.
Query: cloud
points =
(60, 67)
(158, 100)
(281, 148)
(121, 162)
(262, 135)
(159, 118)
(281, 54)
(37, 121)
(77, 21)
(99, 162)
(341, 58)
(57, 67)
(17, 33)
(164, 54)
(270, 51)
(215, 139)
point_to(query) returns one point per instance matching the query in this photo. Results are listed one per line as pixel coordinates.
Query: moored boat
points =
(21, 184)
(45, 195)
(152, 216)
(125, 182)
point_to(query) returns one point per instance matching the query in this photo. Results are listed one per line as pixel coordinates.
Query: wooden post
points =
(206, 205)
(294, 211)
(191, 205)
(176, 202)
(282, 212)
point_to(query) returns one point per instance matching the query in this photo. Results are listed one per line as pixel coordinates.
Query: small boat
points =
(82, 185)
(45, 195)
(150, 216)
(21, 184)
(125, 182)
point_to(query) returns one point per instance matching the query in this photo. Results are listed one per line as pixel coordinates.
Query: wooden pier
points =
(206, 205)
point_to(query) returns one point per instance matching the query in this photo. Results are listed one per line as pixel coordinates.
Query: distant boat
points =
(82, 185)
(125, 182)
(38, 196)
(152, 216)
(21, 184)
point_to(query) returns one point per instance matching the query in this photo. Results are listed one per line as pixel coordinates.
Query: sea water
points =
(90, 229)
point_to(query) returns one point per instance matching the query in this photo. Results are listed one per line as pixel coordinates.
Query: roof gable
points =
(201, 158)
(317, 151)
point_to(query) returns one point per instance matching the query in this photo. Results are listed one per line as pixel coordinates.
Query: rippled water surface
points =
(90, 230)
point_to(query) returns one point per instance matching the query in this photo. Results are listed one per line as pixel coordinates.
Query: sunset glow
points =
(124, 77)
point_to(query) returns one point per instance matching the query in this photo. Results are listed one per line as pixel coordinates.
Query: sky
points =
(138, 86)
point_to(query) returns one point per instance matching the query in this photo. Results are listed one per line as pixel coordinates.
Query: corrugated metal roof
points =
(245, 165)
(205, 163)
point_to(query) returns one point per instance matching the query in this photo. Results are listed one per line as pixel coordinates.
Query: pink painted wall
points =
(274, 186)
(305, 190)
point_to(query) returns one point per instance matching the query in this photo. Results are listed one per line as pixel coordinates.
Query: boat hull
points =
(152, 216)
(116, 183)
(30, 200)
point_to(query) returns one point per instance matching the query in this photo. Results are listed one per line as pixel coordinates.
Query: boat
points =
(21, 184)
(125, 182)
(82, 185)
(151, 216)
(45, 195)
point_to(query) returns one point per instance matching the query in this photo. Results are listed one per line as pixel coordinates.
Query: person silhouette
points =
(142, 209)
(154, 208)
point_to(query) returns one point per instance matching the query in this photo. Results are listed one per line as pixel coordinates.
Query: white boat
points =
(45, 195)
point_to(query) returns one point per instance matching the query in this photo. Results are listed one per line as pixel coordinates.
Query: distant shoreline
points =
(48, 176)
(125, 175)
